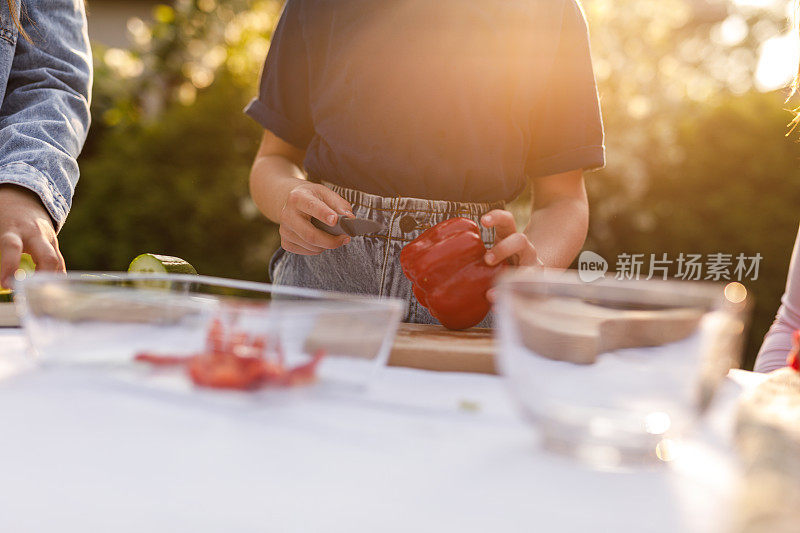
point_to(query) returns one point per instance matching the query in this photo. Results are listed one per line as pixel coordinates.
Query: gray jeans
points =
(370, 264)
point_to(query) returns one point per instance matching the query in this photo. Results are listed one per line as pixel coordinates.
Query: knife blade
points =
(349, 226)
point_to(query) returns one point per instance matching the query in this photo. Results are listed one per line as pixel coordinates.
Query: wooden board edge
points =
(441, 361)
(8, 315)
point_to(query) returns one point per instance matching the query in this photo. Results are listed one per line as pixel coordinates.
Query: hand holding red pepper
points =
(510, 245)
(449, 273)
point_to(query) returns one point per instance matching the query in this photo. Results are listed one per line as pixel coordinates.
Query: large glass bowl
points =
(614, 372)
(104, 320)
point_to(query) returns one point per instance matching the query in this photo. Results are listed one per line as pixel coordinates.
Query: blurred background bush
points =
(693, 103)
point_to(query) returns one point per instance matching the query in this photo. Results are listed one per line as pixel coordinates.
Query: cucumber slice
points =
(160, 264)
(27, 266)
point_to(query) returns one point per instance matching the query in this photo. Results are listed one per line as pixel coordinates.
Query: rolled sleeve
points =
(277, 123)
(24, 175)
(585, 157)
(282, 106)
(566, 126)
(45, 116)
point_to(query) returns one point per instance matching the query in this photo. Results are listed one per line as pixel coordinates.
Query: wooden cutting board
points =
(559, 329)
(436, 348)
(8, 315)
(566, 329)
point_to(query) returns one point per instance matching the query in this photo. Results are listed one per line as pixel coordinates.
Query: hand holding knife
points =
(349, 226)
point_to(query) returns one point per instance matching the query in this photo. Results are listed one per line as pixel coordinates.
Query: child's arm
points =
(43, 123)
(556, 230)
(778, 340)
(277, 183)
(566, 138)
(284, 195)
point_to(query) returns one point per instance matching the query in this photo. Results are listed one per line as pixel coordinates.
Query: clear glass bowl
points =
(105, 320)
(613, 372)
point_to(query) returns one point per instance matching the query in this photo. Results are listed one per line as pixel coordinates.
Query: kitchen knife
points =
(349, 226)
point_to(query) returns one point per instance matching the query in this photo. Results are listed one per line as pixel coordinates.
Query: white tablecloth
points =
(82, 453)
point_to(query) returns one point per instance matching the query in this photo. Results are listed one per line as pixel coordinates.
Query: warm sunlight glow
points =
(667, 450)
(777, 62)
(733, 30)
(735, 292)
(657, 423)
(756, 3)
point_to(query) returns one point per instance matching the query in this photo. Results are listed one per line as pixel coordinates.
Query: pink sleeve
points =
(778, 340)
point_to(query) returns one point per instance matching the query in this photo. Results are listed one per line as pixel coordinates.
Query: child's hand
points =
(510, 245)
(308, 200)
(25, 226)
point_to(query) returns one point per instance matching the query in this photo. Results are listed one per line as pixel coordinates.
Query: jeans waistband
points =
(417, 205)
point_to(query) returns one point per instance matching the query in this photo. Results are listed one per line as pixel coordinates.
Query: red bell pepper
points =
(448, 273)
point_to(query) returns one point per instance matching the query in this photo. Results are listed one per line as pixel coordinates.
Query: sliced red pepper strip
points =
(306, 373)
(215, 339)
(162, 360)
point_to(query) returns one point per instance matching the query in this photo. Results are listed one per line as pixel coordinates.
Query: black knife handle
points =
(336, 229)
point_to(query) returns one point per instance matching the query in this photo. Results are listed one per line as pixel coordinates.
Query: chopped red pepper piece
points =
(229, 371)
(448, 273)
(304, 374)
(234, 361)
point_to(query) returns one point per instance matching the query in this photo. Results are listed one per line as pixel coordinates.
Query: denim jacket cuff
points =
(28, 177)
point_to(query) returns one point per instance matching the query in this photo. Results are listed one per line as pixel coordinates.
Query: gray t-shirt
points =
(439, 99)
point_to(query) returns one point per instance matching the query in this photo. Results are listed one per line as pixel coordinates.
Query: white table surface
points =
(79, 453)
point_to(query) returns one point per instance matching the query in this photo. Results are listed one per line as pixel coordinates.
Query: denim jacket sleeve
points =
(44, 116)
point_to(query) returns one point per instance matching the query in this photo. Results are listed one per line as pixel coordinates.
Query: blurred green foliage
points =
(165, 168)
(734, 188)
(177, 186)
(697, 161)
(729, 182)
